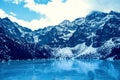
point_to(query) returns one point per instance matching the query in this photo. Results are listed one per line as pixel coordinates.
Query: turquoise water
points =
(60, 70)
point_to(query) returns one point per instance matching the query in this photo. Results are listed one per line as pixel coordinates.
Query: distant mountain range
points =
(96, 36)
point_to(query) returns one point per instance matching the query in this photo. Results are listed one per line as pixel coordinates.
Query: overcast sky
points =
(36, 14)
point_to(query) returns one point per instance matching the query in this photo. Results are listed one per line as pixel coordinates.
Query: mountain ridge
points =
(84, 37)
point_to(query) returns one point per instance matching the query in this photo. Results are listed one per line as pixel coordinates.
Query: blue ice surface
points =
(60, 70)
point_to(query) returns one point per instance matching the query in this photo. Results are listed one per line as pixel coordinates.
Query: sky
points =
(36, 14)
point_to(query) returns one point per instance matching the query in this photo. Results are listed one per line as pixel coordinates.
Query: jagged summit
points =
(65, 22)
(96, 13)
(115, 13)
(6, 18)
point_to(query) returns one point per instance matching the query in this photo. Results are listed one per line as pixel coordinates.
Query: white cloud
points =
(2, 14)
(12, 13)
(14, 1)
(34, 24)
(57, 11)
(17, 1)
(31, 24)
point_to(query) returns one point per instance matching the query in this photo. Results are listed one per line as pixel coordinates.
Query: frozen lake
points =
(60, 70)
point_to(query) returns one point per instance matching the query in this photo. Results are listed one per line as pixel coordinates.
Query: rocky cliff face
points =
(95, 36)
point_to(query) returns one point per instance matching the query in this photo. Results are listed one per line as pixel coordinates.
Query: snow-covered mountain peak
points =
(66, 23)
(114, 13)
(95, 15)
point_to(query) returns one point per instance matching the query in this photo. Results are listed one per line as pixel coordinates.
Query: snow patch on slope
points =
(67, 36)
(80, 49)
(83, 50)
(63, 52)
(36, 39)
(23, 33)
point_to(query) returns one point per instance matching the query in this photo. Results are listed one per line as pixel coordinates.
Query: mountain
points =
(95, 36)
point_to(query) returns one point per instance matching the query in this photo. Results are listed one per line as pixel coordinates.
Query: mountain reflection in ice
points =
(60, 70)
